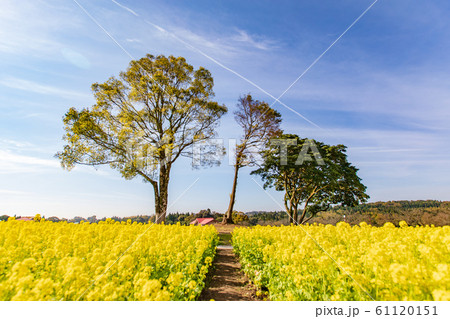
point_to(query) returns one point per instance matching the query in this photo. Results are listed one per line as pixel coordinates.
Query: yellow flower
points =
(60, 261)
(192, 284)
(317, 262)
(403, 224)
(441, 295)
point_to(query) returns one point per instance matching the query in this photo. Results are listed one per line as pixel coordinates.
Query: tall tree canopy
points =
(144, 121)
(259, 123)
(311, 174)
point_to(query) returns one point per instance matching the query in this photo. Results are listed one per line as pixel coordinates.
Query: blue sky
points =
(383, 90)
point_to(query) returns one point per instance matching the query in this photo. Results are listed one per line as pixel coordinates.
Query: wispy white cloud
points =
(30, 28)
(13, 144)
(221, 44)
(76, 58)
(218, 47)
(133, 40)
(218, 44)
(258, 42)
(418, 98)
(19, 157)
(25, 157)
(30, 86)
(13, 163)
(21, 147)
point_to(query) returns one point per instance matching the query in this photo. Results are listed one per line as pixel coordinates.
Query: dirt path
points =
(227, 281)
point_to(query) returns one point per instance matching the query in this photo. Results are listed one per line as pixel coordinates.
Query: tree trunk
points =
(228, 217)
(157, 206)
(295, 215)
(161, 194)
(302, 217)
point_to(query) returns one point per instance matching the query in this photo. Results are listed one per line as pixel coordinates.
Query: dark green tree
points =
(144, 121)
(312, 174)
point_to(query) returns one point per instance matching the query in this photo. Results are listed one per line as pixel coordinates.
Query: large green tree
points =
(259, 122)
(311, 174)
(143, 121)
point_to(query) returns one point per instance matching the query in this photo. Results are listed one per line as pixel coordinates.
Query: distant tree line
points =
(420, 212)
(182, 218)
(275, 218)
(392, 206)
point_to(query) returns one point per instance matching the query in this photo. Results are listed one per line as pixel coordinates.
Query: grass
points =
(225, 239)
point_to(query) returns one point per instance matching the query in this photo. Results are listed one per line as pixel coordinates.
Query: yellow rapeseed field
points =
(387, 263)
(61, 261)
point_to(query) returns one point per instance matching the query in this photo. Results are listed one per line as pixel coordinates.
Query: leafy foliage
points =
(259, 123)
(239, 217)
(144, 121)
(317, 184)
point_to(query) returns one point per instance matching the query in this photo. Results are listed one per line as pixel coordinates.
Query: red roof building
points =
(203, 221)
(25, 218)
